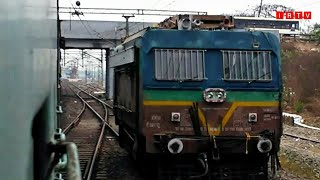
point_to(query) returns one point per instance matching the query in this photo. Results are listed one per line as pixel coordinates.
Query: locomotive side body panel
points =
(28, 73)
(125, 95)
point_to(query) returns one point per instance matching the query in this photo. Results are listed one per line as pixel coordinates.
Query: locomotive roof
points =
(203, 39)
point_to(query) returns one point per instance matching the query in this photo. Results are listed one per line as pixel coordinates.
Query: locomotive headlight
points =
(214, 95)
(210, 95)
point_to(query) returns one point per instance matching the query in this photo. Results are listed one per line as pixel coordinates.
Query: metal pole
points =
(101, 74)
(95, 74)
(82, 57)
(260, 8)
(127, 24)
(98, 74)
(58, 83)
(107, 86)
(92, 73)
(86, 73)
(115, 36)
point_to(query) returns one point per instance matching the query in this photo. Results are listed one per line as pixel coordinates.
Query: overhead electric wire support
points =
(127, 23)
(133, 12)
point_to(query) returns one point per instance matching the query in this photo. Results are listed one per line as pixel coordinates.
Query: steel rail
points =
(90, 88)
(96, 113)
(89, 168)
(98, 145)
(92, 163)
(95, 154)
(88, 171)
(106, 104)
(303, 138)
(93, 87)
(77, 119)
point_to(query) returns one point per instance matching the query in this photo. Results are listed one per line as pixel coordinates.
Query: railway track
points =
(72, 107)
(88, 130)
(91, 87)
(95, 86)
(301, 137)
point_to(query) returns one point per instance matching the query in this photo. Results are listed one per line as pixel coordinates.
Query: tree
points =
(266, 10)
(316, 32)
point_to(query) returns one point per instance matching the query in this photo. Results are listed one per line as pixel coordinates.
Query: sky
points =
(210, 6)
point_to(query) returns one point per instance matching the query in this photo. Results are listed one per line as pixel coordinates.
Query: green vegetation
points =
(293, 162)
(287, 55)
(298, 106)
(316, 32)
(300, 68)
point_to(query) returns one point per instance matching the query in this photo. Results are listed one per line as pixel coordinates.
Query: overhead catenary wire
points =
(163, 7)
(135, 26)
(73, 55)
(80, 19)
(168, 5)
(307, 5)
(136, 12)
(97, 33)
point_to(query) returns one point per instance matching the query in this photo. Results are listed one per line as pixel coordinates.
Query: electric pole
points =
(260, 7)
(127, 24)
(101, 73)
(86, 75)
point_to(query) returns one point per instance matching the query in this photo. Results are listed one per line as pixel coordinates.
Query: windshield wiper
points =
(258, 78)
(185, 80)
(190, 79)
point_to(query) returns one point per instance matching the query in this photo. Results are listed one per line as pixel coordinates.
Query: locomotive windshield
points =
(179, 64)
(247, 65)
(182, 65)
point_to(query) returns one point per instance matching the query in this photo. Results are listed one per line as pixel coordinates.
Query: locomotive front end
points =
(188, 127)
(215, 95)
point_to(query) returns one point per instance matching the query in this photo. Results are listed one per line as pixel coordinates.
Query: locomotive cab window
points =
(247, 65)
(179, 64)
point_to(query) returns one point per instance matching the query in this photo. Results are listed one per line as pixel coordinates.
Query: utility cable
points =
(307, 5)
